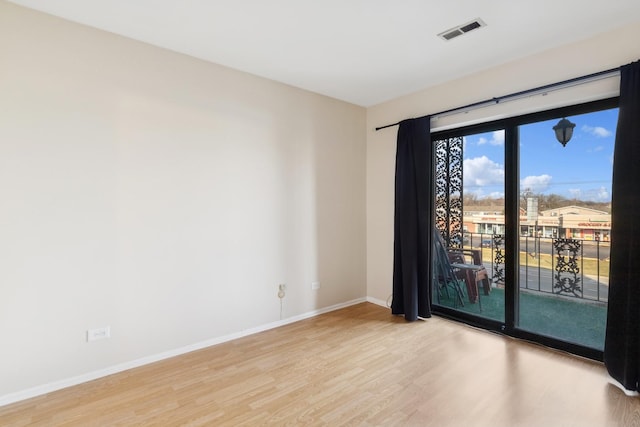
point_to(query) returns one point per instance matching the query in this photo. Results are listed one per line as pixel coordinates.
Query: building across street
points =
(575, 222)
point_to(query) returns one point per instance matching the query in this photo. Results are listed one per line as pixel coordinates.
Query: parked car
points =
(455, 241)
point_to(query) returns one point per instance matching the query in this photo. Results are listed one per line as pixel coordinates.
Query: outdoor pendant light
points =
(564, 131)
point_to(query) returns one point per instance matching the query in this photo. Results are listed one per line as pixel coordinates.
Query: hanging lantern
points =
(564, 131)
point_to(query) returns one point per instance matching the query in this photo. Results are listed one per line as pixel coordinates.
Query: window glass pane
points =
(470, 224)
(564, 226)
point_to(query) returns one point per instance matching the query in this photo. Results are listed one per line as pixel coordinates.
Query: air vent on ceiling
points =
(454, 32)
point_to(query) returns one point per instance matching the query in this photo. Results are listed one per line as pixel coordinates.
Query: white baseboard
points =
(379, 302)
(630, 393)
(90, 376)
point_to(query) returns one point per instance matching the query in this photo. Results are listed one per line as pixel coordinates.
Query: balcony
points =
(563, 285)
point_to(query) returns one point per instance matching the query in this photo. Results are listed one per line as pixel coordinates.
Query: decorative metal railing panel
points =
(448, 190)
(566, 267)
(567, 273)
(498, 259)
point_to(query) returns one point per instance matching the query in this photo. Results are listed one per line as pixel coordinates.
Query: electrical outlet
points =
(99, 333)
(315, 285)
(281, 290)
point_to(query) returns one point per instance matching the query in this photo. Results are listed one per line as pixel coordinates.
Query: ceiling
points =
(361, 51)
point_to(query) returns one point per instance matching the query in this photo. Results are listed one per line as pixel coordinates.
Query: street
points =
(541, 279)
(590, 248)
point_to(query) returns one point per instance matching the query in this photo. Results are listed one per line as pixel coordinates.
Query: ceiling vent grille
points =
(454, 32)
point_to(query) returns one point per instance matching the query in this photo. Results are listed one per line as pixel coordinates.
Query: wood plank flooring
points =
(357, 366)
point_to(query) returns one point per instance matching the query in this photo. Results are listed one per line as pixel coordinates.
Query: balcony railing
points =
(569, 267)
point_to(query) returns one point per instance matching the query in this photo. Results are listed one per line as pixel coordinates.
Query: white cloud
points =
(601, 194)
(575, 192)
(483, 176)
(497, 138)
(597, 195)
(597, 131)
(536, 183)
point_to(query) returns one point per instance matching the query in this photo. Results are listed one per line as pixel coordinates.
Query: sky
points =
(582, 170)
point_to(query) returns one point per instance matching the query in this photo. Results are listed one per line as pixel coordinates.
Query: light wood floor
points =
(356, 366)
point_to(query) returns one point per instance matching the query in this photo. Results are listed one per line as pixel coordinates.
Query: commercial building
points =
(576, 222)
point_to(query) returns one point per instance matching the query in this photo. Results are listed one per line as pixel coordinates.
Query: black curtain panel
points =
(413, 220)
(622, 341)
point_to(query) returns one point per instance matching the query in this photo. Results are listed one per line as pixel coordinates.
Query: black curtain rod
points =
(499, 99)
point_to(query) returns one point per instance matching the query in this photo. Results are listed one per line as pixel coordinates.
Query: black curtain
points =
(622, 341)
(413, 220)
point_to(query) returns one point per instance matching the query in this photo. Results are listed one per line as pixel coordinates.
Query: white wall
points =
(163, 196)
(597, 54)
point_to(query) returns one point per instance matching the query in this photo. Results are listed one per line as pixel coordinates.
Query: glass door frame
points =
(511, 209)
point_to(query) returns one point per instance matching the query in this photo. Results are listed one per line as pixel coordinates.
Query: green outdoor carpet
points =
(574, 320)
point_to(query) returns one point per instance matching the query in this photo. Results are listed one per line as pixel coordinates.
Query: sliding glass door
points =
(523, 225)
(564, 227)
(470, 226)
